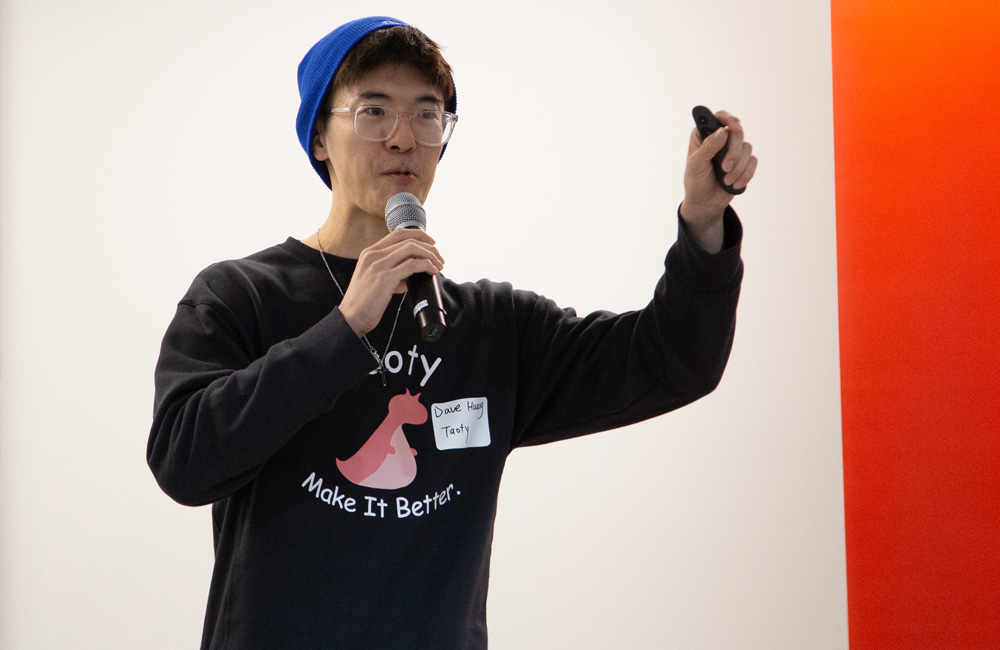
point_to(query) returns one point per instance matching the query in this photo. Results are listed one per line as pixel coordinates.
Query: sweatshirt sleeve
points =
(221, 409)
(579, 375)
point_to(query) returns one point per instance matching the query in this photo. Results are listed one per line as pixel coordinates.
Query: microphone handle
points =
(425, 295)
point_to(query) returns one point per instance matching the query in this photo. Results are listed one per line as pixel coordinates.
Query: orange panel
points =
(916, 106)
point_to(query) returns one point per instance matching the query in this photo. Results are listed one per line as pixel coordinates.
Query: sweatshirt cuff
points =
(332, 355)
(699, 270)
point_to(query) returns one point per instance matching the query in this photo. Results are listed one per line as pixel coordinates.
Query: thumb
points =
(703, 151)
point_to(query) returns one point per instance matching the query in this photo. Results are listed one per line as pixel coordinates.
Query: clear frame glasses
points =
(430, 128)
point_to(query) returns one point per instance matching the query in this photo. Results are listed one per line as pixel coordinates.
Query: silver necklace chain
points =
(371, 348)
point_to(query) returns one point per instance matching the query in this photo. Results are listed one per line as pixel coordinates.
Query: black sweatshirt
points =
(349, 514)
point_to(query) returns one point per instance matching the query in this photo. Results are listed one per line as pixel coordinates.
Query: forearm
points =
(702, 287)
(605, 370)
(215, 423)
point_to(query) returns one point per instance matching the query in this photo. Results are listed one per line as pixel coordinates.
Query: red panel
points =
(916, 106)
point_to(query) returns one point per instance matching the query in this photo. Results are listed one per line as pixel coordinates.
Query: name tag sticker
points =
(461, 424)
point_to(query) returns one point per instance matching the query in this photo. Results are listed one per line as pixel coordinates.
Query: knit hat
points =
(317, 70)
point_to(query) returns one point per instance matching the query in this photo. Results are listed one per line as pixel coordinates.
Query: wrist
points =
(707, 230)
(352, 319)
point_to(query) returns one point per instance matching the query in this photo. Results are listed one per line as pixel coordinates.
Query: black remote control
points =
(706, 124)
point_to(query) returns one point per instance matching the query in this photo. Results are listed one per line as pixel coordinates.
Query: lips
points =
(401, 177)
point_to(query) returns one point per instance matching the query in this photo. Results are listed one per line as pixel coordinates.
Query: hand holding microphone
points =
(403, 210)
(383, 269)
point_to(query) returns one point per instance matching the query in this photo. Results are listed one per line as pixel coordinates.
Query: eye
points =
(429, 116)
(371, 111)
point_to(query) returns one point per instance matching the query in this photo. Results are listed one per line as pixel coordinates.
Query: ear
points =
(319, 147)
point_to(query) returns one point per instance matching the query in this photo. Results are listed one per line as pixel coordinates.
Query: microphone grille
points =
(403, 210)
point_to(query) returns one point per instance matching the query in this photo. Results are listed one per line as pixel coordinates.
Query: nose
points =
(402, 138)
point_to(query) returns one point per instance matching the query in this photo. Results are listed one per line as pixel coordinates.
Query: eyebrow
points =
(374, 95)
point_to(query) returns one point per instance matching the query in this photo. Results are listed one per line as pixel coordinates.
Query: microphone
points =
(403, 210)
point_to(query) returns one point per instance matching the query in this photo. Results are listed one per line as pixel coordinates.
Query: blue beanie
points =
(316, 72)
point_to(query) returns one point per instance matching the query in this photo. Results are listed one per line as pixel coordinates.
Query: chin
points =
(418, 192)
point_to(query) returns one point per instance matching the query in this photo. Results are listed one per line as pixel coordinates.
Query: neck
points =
(347, 235)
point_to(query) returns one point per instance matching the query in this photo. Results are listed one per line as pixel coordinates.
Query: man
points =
(353, 468)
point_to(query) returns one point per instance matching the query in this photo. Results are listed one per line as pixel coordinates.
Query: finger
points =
(420, 249)
(418, 265)
(694, 142)
(394, 249)
(704, 150)
(736, 137)
(421, 245)
(742, 160)
(401, 234)
(411, 266)
(748, 174)
(394, 257)
(728, 119)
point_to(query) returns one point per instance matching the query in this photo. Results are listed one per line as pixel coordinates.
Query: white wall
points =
(144, 140)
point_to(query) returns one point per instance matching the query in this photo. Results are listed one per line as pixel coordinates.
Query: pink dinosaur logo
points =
(386, 460)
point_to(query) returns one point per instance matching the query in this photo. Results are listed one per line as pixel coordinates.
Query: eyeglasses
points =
(377, 123)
